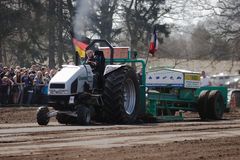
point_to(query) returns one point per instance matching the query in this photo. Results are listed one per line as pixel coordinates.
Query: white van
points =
(221, 79)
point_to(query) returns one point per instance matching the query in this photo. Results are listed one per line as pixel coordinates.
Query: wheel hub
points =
(129, 96)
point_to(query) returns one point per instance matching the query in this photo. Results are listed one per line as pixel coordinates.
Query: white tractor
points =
(78, 94)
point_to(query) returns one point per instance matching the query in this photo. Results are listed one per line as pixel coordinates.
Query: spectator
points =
(18, 67)
(4, 71)
(11, 72)
(1, 69)
(33, 69)
(37, 68)
(1, 90)
(38, 80)
(47, 78)
(52, 73)
(44, 90)
(43, 70)
(27, 86)
(205, 81)
(6, 86)
(10, 86)
(31, 90)
(17, 88)
(24, 85)
(39, 84)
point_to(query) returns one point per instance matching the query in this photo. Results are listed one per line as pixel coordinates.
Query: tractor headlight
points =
(64, 91)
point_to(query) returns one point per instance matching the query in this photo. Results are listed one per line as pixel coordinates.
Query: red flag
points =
(154, 42)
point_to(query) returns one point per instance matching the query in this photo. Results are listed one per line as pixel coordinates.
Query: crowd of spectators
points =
(24, 85)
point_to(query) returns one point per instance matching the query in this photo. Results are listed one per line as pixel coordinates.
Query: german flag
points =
(80, 47)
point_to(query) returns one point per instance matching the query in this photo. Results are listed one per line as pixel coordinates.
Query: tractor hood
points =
(70, 80)
(67, 73)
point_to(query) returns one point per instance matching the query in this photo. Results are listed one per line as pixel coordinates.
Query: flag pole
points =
(147, 58)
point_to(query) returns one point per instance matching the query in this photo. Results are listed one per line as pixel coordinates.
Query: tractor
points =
(116, 94)
(76, 99)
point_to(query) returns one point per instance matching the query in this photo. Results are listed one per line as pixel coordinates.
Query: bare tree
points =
(102, 19)
(201, 43)
(140, 17)
(228, 24)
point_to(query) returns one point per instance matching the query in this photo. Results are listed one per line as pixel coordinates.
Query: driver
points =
(91, 59)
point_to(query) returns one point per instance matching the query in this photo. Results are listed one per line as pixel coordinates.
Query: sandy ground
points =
(21, 138)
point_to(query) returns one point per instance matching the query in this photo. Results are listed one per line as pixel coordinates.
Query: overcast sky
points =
(185, 14)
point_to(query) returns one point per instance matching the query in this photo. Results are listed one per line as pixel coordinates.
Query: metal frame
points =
(107, 43)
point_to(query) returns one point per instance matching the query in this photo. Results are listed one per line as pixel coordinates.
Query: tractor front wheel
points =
(83, 115)
(42, 116)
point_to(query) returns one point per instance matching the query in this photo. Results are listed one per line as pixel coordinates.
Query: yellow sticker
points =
(193, 77)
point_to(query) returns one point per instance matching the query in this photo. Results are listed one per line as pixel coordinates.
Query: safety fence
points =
(23, 94)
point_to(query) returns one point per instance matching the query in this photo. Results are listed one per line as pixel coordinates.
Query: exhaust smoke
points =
(82, 8)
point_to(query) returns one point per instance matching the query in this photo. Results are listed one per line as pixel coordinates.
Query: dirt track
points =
(190, 139)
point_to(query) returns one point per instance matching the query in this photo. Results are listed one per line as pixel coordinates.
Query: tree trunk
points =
(133, 49)
(51, 33)
(5, 56)
(70, 8)
(60, 47)
(1, 59)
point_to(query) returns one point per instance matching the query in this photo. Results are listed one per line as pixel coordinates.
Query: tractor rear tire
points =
(203, 109)
(121, 96)
(216, 105)
(83, 115)
(42, 117)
